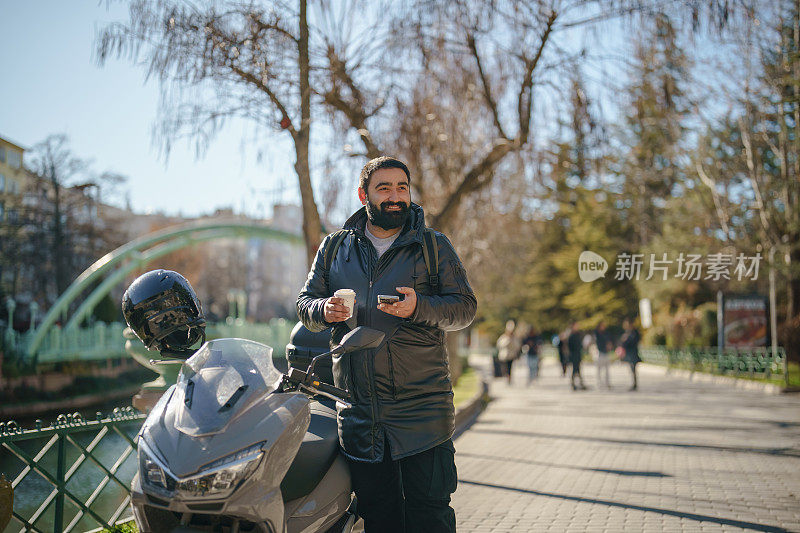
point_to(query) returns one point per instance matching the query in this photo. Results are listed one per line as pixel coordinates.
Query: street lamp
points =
(10, 305)
(34, 315)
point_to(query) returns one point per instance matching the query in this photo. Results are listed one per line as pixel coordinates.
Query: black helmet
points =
(163, 310)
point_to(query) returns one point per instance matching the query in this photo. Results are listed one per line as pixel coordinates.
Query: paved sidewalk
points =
(674, 456)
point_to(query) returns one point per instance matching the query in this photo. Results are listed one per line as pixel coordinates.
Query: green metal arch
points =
(139, 252)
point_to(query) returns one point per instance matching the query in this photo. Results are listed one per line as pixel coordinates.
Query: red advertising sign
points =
(745, 321)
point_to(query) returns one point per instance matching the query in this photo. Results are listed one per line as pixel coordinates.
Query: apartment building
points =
(12, 177)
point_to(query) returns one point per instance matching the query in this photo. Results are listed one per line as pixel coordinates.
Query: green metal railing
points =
(119, 263)
(738, 362)
(54, 487)
(105, 341)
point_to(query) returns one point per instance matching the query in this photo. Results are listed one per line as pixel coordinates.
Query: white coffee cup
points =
(349, 297)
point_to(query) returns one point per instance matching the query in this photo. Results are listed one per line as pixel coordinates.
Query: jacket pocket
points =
(418, 367)
(341, 373)
(383, 374)
(391, 372)
(444, 478)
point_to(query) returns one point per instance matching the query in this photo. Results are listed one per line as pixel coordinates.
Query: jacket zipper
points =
(371, 362)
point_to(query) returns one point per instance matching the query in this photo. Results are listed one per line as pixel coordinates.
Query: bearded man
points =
(397, 436)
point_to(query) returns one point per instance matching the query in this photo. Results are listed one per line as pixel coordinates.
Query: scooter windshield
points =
(222, 379)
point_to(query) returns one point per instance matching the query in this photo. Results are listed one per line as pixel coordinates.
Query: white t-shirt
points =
(381, 245)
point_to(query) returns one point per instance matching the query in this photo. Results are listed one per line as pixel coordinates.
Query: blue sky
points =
(51, 84)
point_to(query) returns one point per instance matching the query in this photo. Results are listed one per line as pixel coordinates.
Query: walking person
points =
(563, 351)
(604, 346)
(575, 345)
(630, 347)
(397, 434)
(508, 348)
(531, 346)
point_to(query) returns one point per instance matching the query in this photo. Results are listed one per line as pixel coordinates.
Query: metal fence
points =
(737, 362)
(74, 475)
(102, 341)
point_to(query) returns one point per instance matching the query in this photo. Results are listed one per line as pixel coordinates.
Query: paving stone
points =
(676, 455)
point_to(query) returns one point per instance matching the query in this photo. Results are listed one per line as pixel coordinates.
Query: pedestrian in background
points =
(563, 351)
(575, 345)
(604, 345)
(630, 348)
(531, 346)
(508, 348)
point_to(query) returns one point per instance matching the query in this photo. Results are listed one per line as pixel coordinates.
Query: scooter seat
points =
(315, 456)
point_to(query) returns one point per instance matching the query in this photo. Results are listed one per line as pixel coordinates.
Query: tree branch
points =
(487, 91)
(711, 184)
(525, 107)
(472, 181)
(754, 181)
(353, 110)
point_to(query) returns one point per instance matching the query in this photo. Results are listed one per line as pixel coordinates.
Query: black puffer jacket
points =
(401, 391)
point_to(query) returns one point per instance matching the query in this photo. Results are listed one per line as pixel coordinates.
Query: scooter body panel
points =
(266, 432)
(328, 501)
(263, 421)
(280, 421)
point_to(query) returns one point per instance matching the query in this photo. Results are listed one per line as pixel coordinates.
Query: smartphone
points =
(388, 299)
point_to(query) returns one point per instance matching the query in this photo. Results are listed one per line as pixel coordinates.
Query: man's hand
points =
(404, 308)
(335, 310)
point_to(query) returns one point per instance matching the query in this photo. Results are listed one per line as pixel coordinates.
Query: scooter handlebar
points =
(330, 389)
(314, 385)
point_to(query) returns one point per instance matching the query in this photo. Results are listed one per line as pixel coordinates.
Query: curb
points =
(469, 411)
(727, 381)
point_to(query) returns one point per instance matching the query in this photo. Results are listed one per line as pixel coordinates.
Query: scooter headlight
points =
(223, 476)
(151, 472)
(217, 480)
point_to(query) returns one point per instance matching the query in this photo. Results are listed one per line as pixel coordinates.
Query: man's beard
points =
(383, 218)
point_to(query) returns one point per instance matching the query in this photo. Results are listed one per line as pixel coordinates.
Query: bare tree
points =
(217, 60)
(60, 232)
(468, 101)
(56, 168)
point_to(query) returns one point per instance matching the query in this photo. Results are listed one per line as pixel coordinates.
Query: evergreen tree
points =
(655, 124)
(587, 217)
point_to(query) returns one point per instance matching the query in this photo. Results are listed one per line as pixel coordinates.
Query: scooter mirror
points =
(361, 338)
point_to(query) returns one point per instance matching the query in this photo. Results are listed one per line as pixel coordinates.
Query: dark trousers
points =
(576, 373)
(409, 495)
(633, 371)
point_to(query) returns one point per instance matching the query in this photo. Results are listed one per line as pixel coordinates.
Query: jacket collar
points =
(411, 232)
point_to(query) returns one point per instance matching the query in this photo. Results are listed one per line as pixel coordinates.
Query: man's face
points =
(387, 198)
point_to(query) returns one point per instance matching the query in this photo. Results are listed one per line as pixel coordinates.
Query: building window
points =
(2, 210)
(14, 159)
(2, 183)
(2, 154)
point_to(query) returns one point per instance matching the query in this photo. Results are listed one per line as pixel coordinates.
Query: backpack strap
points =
(430, 249)
(329, 254)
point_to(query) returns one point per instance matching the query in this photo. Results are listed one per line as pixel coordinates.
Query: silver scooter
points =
(238, 446)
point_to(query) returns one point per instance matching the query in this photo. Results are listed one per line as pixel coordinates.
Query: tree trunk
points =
(312, 228)
(58, 248)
